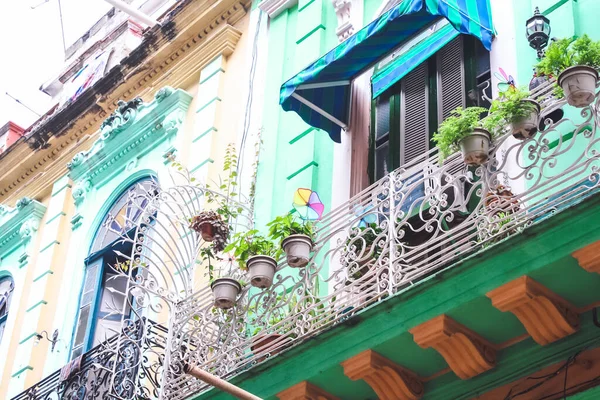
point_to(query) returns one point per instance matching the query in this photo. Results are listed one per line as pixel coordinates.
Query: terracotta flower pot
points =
(207, 230)
(297, 249)
(225, 292)
(268, 344)
(528, 126)
(261, 270)
(579, 85)
(476, 147)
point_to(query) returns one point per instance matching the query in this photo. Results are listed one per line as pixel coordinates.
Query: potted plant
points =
(515, 108)
(295, 237)
(464, 130)
(225, 289)
(257, 255)
(576, 63)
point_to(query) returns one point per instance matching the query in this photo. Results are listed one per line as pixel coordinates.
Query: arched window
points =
(6, 289)
(102, 302)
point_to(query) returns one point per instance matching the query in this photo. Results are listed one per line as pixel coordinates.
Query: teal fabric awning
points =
(400, 67)
(320, 93)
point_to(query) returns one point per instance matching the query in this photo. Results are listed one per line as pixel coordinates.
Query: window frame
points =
(469, 46)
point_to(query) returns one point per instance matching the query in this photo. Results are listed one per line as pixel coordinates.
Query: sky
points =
(32, 50)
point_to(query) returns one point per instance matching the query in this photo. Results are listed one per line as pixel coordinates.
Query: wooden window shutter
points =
(450, 78)
(414, 115)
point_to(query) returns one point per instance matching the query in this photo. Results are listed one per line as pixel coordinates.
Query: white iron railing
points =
(418, 220)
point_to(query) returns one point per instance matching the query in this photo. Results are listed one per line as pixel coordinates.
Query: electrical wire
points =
(247, 118)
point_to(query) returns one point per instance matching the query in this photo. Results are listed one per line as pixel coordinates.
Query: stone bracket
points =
(389, 380)
(546, 316)
(467, 353)
(589, 257)
(305, 391)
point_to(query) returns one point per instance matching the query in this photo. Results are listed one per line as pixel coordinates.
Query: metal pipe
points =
(220, 384)
(134, 13)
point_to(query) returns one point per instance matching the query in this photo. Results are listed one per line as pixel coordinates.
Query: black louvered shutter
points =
(382, 136)
(414, 115)
(450, 78)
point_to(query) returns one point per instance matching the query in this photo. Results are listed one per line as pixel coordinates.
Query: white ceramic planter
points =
(528, 126)
(297, 249)
(476, 147)
(579, 85)
(261, 270)
(225, 292)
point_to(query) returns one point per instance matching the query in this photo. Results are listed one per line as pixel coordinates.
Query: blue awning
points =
(413, 57)
(320, 93)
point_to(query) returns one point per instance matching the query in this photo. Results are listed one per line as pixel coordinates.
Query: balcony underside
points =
(541, 252)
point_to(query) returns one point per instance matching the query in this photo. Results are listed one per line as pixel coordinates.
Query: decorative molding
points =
(305, 391)
(389, 380)
(343, 10)
(19, 224)
(133, 123)
(588, 257)
(467, 353)
(139, 74)
(275, 7)
(76, 221)
(546, 316)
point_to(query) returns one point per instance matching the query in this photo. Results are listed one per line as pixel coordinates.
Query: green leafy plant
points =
(227, 186)
(510, 107)
(251, 243)
(459, 125)
(568, 52)
(286, 225)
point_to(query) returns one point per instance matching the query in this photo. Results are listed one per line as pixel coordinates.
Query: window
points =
(103, 300)
(7, 287)
(404, 118)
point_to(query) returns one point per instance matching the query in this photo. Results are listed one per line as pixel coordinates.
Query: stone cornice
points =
(19, 223)
(275, 7)
(123, 133)
(138, 75)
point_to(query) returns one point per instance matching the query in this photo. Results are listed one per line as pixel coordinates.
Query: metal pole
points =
(137, 14)
(221, 384)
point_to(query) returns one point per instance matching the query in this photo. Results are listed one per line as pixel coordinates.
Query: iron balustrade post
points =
(391, 229)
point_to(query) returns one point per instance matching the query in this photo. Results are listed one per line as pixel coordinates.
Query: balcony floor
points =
(542, 252)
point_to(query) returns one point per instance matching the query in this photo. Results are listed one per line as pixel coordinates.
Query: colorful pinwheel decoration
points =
(308, 205)
(367, 218)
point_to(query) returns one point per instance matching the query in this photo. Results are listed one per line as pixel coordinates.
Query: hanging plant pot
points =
(261, 270)
(579, 85)
(297, 249)
(528, 126)
(204, 223)
(476, 147)
(225, 292)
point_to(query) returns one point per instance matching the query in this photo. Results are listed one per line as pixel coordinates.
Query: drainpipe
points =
(220, 383)
(132, 12)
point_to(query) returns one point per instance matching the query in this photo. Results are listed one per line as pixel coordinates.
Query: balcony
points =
(420, 220)
(136, 373)
(386, 243)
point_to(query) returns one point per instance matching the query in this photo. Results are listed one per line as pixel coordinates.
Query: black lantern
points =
(538, 32)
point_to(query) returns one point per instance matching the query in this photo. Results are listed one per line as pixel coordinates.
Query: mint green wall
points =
(293, 154)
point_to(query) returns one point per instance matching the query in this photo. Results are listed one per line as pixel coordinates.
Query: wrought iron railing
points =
(93, 379)
(420, 219)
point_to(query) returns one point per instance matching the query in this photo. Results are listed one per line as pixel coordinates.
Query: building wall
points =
(46, 259)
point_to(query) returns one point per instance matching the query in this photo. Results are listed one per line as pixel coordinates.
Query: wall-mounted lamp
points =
(41, 335)
(538, 32)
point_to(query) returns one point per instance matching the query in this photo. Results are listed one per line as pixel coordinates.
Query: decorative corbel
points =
(28, 228)
(343, 10)
(389, 380)
(467, 353)
(80, 191)
(305, 391)
(588, 257)
(546, 316)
